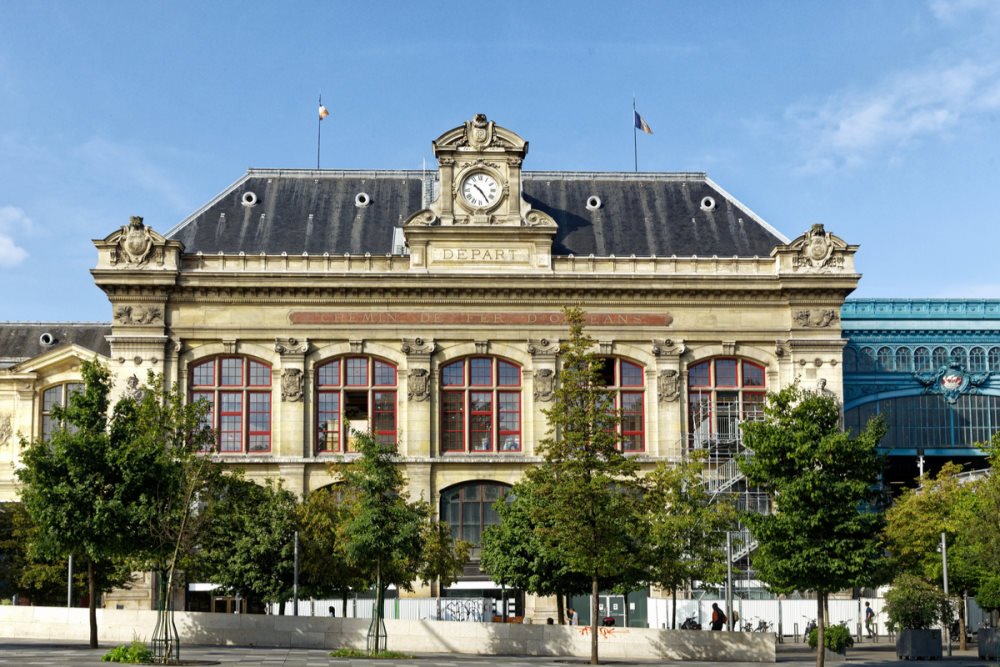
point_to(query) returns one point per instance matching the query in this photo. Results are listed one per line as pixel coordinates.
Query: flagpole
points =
(635, 145)
(319, 130)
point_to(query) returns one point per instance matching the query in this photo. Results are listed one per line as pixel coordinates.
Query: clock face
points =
(480, 190)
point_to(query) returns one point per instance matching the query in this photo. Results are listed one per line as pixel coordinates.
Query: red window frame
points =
(343, 375)
(481, 406)
(631, 424)
(240, 416)
(707, 395)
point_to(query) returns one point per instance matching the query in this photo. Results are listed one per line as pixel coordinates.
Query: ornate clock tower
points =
(480, 220)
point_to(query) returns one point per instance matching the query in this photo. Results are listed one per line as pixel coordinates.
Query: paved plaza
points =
(28, 652)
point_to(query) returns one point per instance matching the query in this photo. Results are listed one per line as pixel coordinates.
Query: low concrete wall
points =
(119, 626)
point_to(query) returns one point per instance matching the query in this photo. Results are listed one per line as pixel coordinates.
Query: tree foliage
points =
(825, 533)
(687, 529)
(324, 570)
(87, 487)
(248, 547)
(385, 532)
(916, 604)
(443, 557)
(591, 521)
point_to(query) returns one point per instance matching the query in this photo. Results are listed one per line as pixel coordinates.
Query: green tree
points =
(172, 438)
(324, 570)
(914, 525)
(443, 557)
(385, 533)
(248, 545)
(513, 554)
(592, 521)
(825, 533)
(687, 529)
(87, 491)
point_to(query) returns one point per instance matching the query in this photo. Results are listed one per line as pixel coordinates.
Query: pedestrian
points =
(718, 617)
(571, 617)
(333, 611)
(869, 620)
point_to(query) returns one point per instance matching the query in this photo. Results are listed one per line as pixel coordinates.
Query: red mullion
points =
(462, 421)
(642, 421)
(248, 419)
(520, 423)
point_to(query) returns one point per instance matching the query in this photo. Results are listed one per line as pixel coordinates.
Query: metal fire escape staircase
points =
(716, 431)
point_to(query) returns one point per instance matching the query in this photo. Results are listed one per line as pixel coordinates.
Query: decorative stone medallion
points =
(292, 385)
(668, 386)
(545, 384)
(418, 385)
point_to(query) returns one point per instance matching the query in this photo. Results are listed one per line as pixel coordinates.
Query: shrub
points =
(135, 653)
(915, 604)
(358, 653)
(988, 596)
(837, 638)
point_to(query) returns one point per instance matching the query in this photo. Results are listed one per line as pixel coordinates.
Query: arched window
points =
(903, 361)
(721, 393)
(939, 357)
(238, 389)
(626, 381)
(468, 509)
(850, 360)
(885, 360)
(994, 358)
(358, 394)
(866, 361)
(51, 397)
(959, 357)
(977, 360)
(922, 360)
(480, 405)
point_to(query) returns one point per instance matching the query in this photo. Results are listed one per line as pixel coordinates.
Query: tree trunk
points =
(673, 611)
(820, 627)
(92, 604)
(595, 590)
(560, 609)
(343, 604)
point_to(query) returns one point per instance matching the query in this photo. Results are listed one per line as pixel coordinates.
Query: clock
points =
(480, 190)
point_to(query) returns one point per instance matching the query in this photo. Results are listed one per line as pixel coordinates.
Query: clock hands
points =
(485, 198)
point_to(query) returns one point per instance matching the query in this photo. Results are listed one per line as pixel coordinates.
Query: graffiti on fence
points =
(605, 632)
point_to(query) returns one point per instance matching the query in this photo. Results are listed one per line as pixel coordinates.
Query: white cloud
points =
(850, 128)
(953, 88)
(11, 254)
(12, 219)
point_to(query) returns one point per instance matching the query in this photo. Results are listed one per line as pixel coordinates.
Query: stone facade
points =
(483, 274)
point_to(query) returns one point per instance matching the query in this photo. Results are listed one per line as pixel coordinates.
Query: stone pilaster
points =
(416, 388)
(291, 437)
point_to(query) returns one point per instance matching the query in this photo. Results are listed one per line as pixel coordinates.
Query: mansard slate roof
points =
(23, 340)
(316, 211)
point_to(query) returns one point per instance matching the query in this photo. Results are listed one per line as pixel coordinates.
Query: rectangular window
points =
(357, 372)
(329, 374)
(260, 421)
(481, 372)
(230, 421)
(753, 375)
(453, 421)
(510, 375)
(384, 422)
(481, 421)
(232, 373)
(260, 374)
(385, 374)
(632, 421)
(204, 374)
(509, 418)
(453, 375)
(631, 375)
(727, 407)
(208, 397)
(698, 376)
(471, 522)
(753, 405)
(725, 373)
(328, 432)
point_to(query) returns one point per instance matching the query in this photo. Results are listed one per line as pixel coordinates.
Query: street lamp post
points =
(944, 569)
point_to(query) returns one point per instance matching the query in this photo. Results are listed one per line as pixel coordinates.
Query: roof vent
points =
(593, 203)
(362, 199)
(47, 339)
(707, 204)
(249, 199)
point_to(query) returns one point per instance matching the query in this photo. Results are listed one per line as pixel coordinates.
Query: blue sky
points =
(879, 119)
